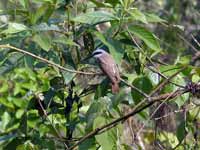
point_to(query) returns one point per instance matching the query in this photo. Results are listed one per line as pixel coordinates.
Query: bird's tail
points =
(115, 88)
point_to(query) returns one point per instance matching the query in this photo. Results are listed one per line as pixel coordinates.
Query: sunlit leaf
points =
(43, 12)
(28, 146)
(66, 41)
(5, 120)
(95, 17)
(100, 4)
(138, 15)
(149, 38)
(43, 41)
(46, 27)
(104, 139)
(154, 18)
(15, 28)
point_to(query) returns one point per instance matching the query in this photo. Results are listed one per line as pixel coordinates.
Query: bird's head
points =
(98, 53)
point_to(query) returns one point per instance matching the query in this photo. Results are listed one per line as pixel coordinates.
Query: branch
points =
(160, 74)
(188, 43)
(138, 108)
(46, 116)
(160, 86)
(45, 60)
(135, 111)
(135, 88)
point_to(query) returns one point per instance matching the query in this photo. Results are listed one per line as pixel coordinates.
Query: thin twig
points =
(157, 108)
(149, 59)
(135, 88)
(159, 87)
(138, 108)
(46, 116)
(188, 43)
(196, 41)
(173, 112)
(162, 75)
(46, 61)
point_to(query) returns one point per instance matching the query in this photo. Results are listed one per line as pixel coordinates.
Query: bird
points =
(109, 67)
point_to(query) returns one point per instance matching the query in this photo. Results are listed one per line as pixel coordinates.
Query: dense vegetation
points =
(51, 97)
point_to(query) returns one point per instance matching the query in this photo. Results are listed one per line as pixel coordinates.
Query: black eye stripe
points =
(96, 53)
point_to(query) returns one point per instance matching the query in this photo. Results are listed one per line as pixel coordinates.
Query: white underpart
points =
(114, 69)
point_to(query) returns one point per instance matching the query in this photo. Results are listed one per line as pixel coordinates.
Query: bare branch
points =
(138, 108)
(46, 116)
(46, 61)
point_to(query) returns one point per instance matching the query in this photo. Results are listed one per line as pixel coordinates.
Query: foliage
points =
(45, 107)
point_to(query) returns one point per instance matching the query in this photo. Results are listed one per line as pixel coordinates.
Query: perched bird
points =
(109, 67)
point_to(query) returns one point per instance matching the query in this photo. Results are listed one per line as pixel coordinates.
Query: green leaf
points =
(19, 113)
(154, 18)
(19, 102)
(143, 83)
(145, 35)
(89, 144)
(112, 2)
(45, 27)
(183, 98)
(113, 46)
(27, 146)
(102, 89)
(65, 40)
(43, 12)
(183, 59)
(100, 4)
(68, 76)
(15, 28)
(95, 17)
(195, 78)
(181, 131)
(104, 139)
(5, 102)
(4, 87)
(32, 118)
(117, 50)
(95, 110)
(23, 3)
(170, 69)
(5, 119)
(138, 15)
(43, 41)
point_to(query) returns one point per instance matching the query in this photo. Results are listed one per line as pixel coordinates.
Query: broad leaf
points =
(154, 18)
(113, 46)
(43, 41)
(145, 35)
(138, 15)
(95, 17)
(144, 84)
(43, 12)
(181, 132)
(104, 139)
(15, 28)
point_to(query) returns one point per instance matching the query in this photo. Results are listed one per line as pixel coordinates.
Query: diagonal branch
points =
(134, 111)
(138, 108)
(45, 60)
(46, 116)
